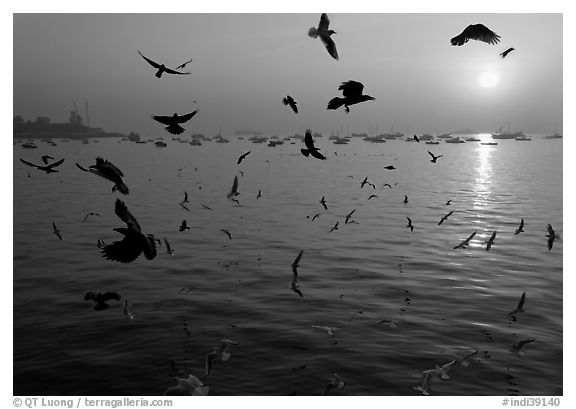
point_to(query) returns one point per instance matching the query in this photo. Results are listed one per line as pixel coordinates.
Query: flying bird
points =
(464, 360)
(48, 168)
(310, 148)
(134, 242)
(241, 158)
(505, 53)
(434, 158)
(416, 138)
(315, 216)
(425, 384)
(490, 241)
(324, 33)
(108, 171)
(352, 92)
(181, 66)
(334, 383)
(161, 67)
(520, 228)
(57, 231)
(295, 264)
(410, 225)
(348, 216)
(335, 227)
(520, 306)
(90, 214)
(220, 352)
(476, 32)
(184, 226)
(517, 347)
(185, 198)
(227, 233)
(551, 236)
(45, 159)
(386, 184)
(174, 121)
(443, 219)
(168, 248)
(442, 370)
(465, 242)
(405, 200)
(372, 196)
(259, 194)
(101, 299)
(323, 203)
(288, 100)
(389, 167)
(234, 190)
(448, 202)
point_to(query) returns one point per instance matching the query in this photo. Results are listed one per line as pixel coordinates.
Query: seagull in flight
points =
(490, 241)
(365, 182)
(161, 67)
(48, 168)
(352, 92)
(184, 226)
(334, 383)
(476, 32)
(551, 236)
(310, 148)
(448, 202)
(227, 233)
(90, 214)
(520, 228)
(168, 248)
(324, 33)
(465, 242)
(434, 158)
(372, 196)
(174, 121)
(323, 203)
(101, 299)
(295, 264)
(181, 66)
(288, 100)
(57, 231)
(442, 370)
(241, 158)
(134, 242)
(108, 171)
(348, 216)
(315, 216)
(405, 200)
(335, 227)
(410, 225)
(184, 206)
(520, 306)
(505, 53)
(443, 219)
(220, 352)
(386, 184)
(425, 385)
(259, 194)
(389, 167)
(234, 190)
(518, 346)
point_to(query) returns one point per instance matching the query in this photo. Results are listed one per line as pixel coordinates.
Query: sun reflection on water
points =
(484, 173)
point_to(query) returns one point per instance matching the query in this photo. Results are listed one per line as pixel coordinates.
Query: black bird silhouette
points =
(490, 241)
(551, 236)
(389, 167)
(310, 148)
(161, 67)
(416, 138)
(57, 231)
(168, 248)
(505, 53)
(448, 202)
(107, 170)
(241, 158)
(386, 184)
(234, 189)
(323, 202)
(465, 242)
(476, 32)
(410, 225)
(181, 66)
(324, 33)
(174, 121)
(227, 233)
(520, 228)
(372, 196)
(294, 285)
(315, 216)
(288, 100)
(48, 168)
(184, 206)
(443, 219)
(405, 200)
(134, 242)
(335, 227)
(90, 214)
(434, 158)
(45, 159)
(520, 306)
(101, 299)
(352, 91)
(348, 216)
(183, 226)
(206, 207)
(185, 198)
(517, 347)
(364, 182)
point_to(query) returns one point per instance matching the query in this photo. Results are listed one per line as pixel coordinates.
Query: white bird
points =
(220, 352)
(490, 241)
(465, 242)
(464, 360)
(520, 306)
(190, 386)
(442, 370)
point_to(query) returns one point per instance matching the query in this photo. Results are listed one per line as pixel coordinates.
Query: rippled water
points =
(444, 301)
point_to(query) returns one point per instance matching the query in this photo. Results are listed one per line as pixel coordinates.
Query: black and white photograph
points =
(314, 203)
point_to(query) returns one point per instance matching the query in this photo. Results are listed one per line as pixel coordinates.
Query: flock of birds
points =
(135, 242)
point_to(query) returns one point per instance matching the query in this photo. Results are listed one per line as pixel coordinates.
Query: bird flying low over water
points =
(410, 225)
(162, 68)
(372, 196)
(405, 200)
(520, 306)
(90, 214)
(323, 203)
(442, 370)
(443, 219)
(465, 242)
(48, 168)
(348, 216)
(310, 148)
(57, 231)
(227, 233)
(334, 383)
(324, 33)
(315, 216)
(174, 121)
(425, 384)
(518, 346)
(134, 242)
(490, 241)
(352, 92)
(476, 32)
(520, 228)
(181, 66)
(234, 189)
(434, 158)
(183, 226)
(101, 299)
(389, 167)
(168, 248)
(241, 158)
(464, 360)
(107, 170)
(288, 100)
(335, 227)
(551, 236)
(505, 53)
(220, 352)
(294, 284)
(448, 202)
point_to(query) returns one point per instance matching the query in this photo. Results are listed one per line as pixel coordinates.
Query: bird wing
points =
(171, 71)
(431, 154)
(330, 46)
(234, 190)
(124, 251)
(297, 260)
(317, 155)
(351, 88)
(184, 118)
(324, 22)
(149, 247)
(36, 166)
(308, 141)
(184, 65)
(166, 120)
(152, 63)
(106, 165)
(409, 220)
(521, 302)
(470, 237)
(481, 33)
(124, 215)
(168, 248)
(110, 296)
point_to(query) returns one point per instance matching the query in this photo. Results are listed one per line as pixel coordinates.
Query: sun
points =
(488, 79)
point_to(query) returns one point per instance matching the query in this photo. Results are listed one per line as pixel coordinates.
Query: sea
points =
(380, 303)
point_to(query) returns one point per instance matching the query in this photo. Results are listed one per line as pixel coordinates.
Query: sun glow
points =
(488, 79)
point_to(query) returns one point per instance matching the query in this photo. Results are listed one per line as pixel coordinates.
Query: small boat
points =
(160, 144)
(29, 145)
(195, 142)
(522, 138)
(472, 139)
(556, 135)
(488, 143)
(454, 140)
(432, 143)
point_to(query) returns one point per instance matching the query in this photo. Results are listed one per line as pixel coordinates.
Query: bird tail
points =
(459, 40)
(175, 129)
(305, 152)
(336, 103)
(122, 188)
(159, 74)
(313, 32)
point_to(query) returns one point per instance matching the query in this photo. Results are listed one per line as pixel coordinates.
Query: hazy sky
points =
(243, 64)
